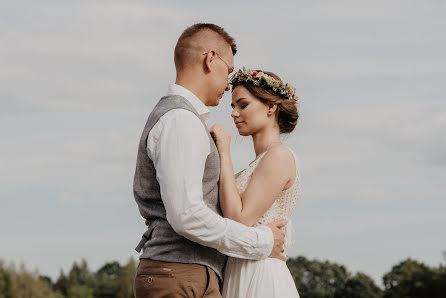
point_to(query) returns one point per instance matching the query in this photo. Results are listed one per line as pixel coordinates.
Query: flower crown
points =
(261, 79)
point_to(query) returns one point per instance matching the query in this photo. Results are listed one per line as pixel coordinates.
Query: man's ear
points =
(210, 56)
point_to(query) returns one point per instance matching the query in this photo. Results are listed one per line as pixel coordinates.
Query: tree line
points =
(408, 279)
(313, 278)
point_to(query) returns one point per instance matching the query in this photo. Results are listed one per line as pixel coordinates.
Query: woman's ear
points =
(272, 108)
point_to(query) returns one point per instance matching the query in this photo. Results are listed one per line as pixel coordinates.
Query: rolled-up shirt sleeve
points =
(178, 146)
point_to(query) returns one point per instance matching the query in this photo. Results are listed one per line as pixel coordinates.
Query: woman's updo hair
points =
(286, 112)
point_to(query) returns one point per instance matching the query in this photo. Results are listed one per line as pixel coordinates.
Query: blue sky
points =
(78, 79)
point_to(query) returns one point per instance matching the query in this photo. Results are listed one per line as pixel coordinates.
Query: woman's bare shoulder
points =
(280, 158)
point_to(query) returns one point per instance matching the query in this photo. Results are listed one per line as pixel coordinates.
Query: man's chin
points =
(215, 103)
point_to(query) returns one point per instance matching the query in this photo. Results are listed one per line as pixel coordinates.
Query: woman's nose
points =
(234, 113)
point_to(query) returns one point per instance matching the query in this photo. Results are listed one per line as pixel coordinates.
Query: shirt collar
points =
(198, 105)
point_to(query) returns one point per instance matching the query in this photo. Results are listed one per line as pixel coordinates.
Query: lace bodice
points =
(284, 204)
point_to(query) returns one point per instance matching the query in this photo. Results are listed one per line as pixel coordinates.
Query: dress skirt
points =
(267, 278)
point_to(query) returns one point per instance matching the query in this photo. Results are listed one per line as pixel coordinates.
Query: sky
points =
(79, 78)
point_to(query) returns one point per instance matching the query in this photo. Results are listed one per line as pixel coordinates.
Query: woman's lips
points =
(238, 123)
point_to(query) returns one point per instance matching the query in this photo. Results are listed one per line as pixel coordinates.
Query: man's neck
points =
(191, 86)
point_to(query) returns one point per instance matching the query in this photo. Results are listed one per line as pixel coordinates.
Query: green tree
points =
(359, 286)
(80, 291)
(80, 281)
(317, 279)
(5, 282)
(80, 274)
(61, 284)
(113, 269)
(323, 279)
(413, 279)
(107, 280)
(47, 280)
(27, 284)
(126, 279)
(110, 281)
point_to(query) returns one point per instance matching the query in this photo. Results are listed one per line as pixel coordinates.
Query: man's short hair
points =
(183, 43)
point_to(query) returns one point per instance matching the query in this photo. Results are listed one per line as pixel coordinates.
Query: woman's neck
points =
(265, 139)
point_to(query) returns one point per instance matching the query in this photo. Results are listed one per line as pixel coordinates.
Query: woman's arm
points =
(273, 173)
(230, 199)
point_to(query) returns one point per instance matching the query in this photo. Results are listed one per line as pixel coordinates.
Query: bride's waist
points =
(263, 262)
(286, 228)
(289, 233)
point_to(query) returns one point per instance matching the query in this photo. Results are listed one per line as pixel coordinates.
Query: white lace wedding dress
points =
(268, 278)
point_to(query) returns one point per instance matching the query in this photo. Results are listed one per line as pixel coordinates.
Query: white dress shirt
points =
(178, 145)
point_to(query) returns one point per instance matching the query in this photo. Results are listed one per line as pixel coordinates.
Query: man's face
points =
(223, 66)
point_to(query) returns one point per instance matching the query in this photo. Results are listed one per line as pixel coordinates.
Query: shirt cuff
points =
(266, 241)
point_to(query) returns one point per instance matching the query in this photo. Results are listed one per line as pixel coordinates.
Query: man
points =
(176, 180)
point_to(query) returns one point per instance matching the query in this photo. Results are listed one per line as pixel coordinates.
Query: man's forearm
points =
(202, 225)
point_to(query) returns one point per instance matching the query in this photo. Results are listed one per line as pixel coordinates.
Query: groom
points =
(176, 180)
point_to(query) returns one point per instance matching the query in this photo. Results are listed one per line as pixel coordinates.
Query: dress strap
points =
(258, 158)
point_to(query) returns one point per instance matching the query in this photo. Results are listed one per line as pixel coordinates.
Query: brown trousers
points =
(156, 279)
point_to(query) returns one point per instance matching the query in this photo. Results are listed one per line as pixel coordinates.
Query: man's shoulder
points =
(179, 114)
(174, 101)
(179, 118)
(170, 103)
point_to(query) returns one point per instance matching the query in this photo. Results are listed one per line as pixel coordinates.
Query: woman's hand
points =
(222, 139)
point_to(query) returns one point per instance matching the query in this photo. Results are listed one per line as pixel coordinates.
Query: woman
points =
(267, 190)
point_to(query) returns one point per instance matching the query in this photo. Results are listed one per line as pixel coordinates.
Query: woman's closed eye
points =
(242, 106)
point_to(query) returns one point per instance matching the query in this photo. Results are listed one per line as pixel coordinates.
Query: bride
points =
(267, 190)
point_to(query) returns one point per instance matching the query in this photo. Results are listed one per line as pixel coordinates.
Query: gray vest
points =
(160, 242)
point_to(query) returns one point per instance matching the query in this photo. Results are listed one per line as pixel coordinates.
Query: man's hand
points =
(279, 239)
